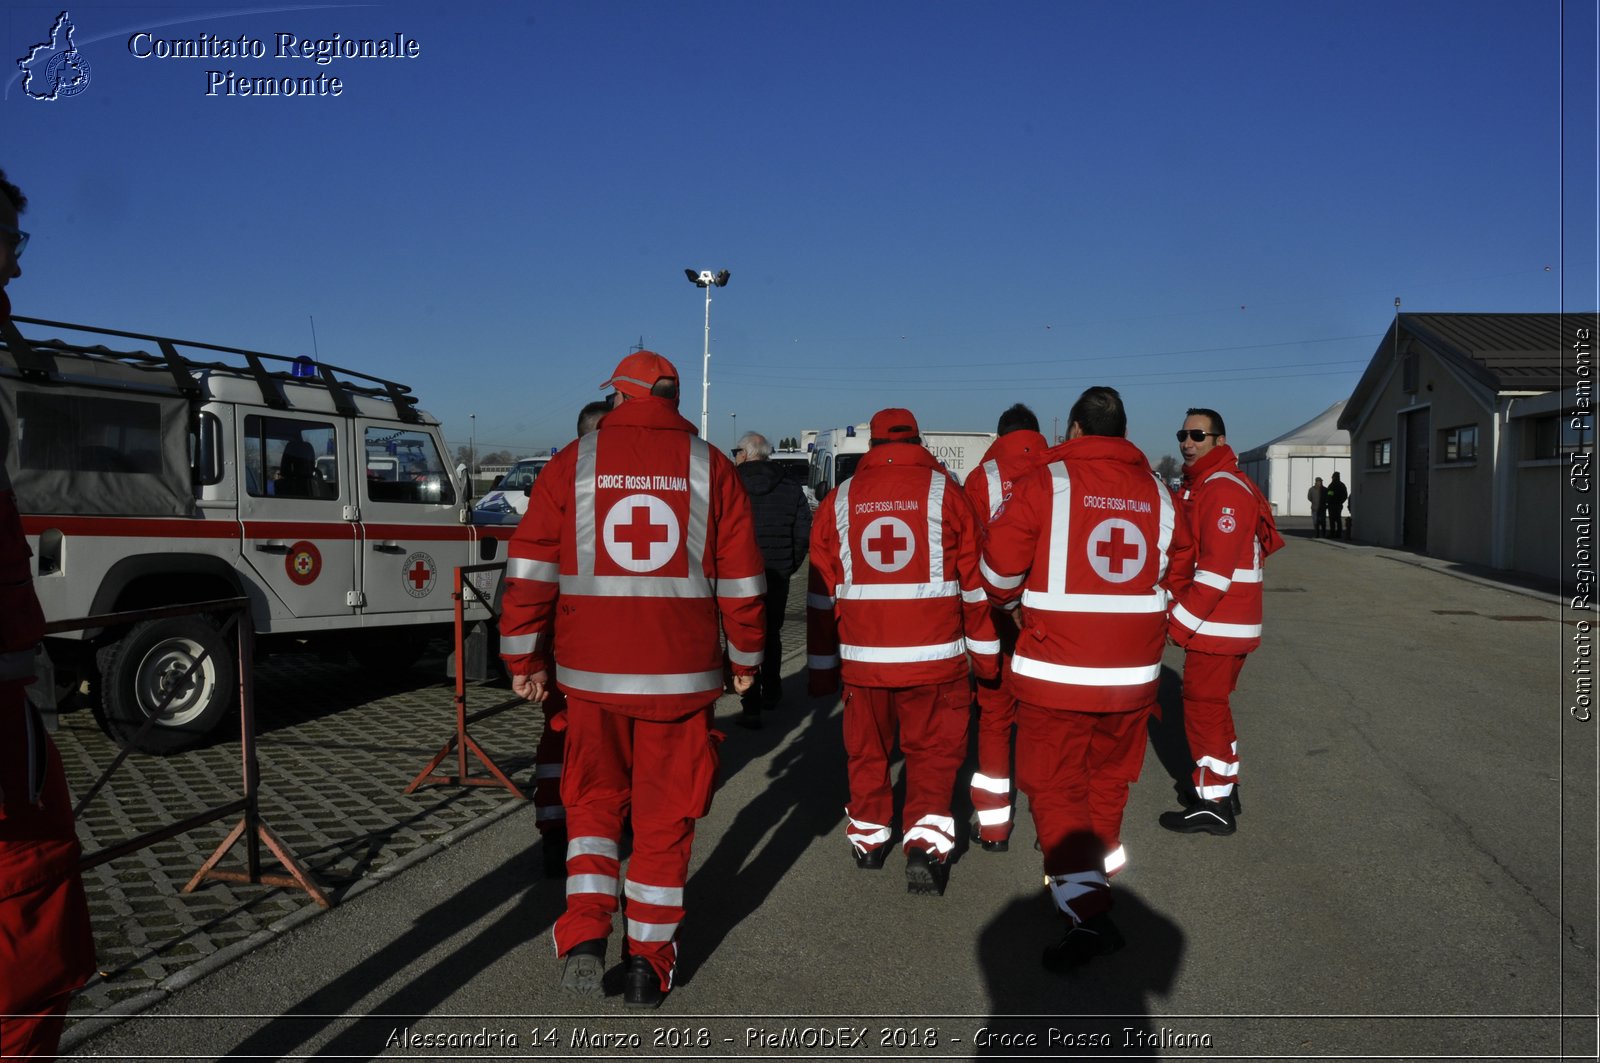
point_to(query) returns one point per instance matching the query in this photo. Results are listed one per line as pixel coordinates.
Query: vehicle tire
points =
(137, 670)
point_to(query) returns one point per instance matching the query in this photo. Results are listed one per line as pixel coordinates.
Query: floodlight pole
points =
(472, 452)
(705, 368)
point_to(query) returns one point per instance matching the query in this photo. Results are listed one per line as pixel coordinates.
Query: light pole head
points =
(705, 278)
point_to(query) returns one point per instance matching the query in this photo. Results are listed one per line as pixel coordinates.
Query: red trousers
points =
(549, 813)
(1075, 768)
(665, 772)
(932, 722)
(991, 782)
(1208, 679)
(34, 1036)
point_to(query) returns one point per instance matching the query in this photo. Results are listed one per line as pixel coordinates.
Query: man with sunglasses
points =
(1216, 614)
(46, 944)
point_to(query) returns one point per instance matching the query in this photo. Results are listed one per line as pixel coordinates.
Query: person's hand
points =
(741, 683)
(530, 687)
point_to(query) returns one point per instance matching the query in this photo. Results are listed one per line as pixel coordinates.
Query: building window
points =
(1556, 435)
(1381, 456)
(1461, 444)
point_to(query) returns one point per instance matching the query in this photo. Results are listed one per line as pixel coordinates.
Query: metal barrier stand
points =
(250, 826)
(461, 741)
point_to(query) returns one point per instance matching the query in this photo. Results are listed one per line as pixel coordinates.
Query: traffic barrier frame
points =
(462, 742)
(251, 827)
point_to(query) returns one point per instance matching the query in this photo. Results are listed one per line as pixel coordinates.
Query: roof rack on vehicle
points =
(35, 359)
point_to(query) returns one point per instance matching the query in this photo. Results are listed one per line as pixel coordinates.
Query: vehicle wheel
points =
(390, 649)
(157, 656)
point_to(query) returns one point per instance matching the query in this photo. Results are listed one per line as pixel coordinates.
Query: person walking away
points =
(640, 536)
(895, 608)
(1018, 449)
(1085, 543)
(1338, 495)
(46, 942)
(1317, 495)
(783, 529)
(1216, 614)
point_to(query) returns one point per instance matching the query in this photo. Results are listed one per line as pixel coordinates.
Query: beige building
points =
(1460, 430)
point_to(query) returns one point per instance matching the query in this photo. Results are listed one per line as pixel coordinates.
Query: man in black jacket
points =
(783, 528)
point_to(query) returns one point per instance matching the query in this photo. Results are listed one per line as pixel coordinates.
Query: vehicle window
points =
(404, 465)
(286, 458)
(845, 467)
(87, 433)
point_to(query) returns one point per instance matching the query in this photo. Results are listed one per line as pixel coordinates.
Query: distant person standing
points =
(895, 608)
(783, 529)
(1216, 613)
(639, 537)
(1317, 495)
(1338, 495)
(1017, 450)
(46, 943)
(1085, 542)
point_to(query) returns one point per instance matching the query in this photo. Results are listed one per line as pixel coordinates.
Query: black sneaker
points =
(989, 845)
(642, 989)
(925, 876)
(554, 853)
(585, 969)
(872, 859)
(1208, 817)
(1095, 936)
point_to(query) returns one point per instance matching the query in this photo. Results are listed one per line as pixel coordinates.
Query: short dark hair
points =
(13, 193)
(1216, 418)
(589, 416)
(1017, 419)
(666, 388)
(1099, 412)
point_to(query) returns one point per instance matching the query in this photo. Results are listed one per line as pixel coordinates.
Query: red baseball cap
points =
(894, 426)
(636, 374)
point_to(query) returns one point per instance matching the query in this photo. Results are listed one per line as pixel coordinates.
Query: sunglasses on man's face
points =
(1195, 435)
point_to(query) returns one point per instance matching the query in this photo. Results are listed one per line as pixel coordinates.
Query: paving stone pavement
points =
(336, 749)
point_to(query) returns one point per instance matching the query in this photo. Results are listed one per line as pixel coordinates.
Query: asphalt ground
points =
(1413, 877)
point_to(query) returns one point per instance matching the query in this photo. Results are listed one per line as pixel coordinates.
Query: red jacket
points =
(1003, 463)
(1217, 601)
(895, 597)
(641, 535)
(1086, 542)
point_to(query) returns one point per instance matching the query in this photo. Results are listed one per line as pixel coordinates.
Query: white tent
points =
(1285, 467)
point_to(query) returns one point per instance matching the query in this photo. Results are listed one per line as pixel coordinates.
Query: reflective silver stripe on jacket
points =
(588, 532)
(693, 586)
(747, 587)
(699, 504)
(983, 645)
(937, 483)
(1005, 583)
(841, 521)
(1060, 527)
(528, 568)
(749, 658)
(518, 644)
(864, 592)
(903, 654)
(619, 683)
(991, 474)
(1212, 579)
(1169, 518)
(1212, 627)
(1096, 603)
(1083, 676)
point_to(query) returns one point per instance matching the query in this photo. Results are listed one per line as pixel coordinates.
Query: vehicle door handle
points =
(388, 546)
(273, 546)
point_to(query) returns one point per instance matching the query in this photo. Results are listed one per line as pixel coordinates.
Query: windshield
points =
(844, 467)
(520, 476)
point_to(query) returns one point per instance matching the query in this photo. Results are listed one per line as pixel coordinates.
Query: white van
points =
(836, 451)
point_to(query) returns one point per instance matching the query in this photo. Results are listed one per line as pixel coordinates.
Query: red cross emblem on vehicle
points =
(417, 574)
(641, 533)
(303, 563)
(1117, 550)
(888, 544)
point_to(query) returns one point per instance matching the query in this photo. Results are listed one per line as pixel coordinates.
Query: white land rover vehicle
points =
(200, 472)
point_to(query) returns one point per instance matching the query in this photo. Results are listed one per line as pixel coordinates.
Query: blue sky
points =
(950, 207)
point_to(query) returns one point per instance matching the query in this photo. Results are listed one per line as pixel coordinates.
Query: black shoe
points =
(925, 876)
(553, 844)
(585, 969)
(1208, 817)
(642, 988)
(872, 859)
(1188, 798)
(1095, 936)
(771, 699)
(989, 845)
